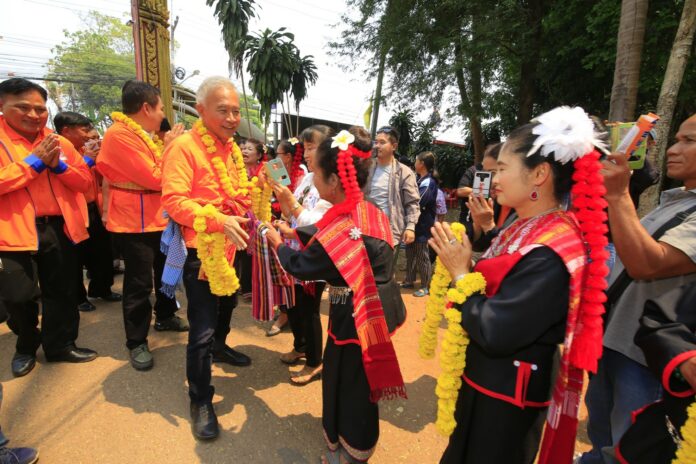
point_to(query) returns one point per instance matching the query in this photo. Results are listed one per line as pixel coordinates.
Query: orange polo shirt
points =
(29, 188)
(134, 173)
(189, 181)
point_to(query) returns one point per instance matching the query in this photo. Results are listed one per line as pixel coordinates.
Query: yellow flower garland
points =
(154, 145)
(686, 453)
(211, 246)
(455, 342)
(245, 184)
(211, 251)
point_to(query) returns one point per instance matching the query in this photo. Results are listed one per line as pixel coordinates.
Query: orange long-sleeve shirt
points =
(28, 188)
(189, 181)
(126, 160)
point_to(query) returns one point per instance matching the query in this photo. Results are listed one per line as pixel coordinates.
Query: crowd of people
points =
(553, 276)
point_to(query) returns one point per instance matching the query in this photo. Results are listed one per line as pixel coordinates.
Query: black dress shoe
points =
(110, 297)
(86, 307)
(230, 356)
(72, 354)
(22, 364)
(204, 422)
(172, 324)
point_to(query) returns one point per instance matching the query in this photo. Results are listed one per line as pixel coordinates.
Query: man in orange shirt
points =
(42, 215)
(95, 252)
(132, 163)
(189, 181)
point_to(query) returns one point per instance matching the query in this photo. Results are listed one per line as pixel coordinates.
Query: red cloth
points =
(344, 245)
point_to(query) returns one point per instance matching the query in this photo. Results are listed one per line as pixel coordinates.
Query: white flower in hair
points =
(566, 132)
(342, 140)
(293, 141)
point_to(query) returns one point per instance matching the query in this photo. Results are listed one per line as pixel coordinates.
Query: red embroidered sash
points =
(560, 232)
(342, 241)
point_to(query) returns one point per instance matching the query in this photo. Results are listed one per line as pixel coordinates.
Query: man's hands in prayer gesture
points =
(48, 151)
(177, 130)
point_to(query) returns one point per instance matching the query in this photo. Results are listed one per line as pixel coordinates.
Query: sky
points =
(26, 43)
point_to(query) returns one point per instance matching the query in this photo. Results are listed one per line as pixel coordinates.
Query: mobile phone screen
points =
(482, 183)
(276, 169)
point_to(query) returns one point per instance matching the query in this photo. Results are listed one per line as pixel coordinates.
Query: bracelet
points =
(294, 207)
(459, 277)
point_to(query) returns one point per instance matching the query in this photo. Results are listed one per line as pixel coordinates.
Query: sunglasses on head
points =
(385, 130)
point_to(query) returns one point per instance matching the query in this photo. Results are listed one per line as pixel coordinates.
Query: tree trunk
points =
(470, 94)
(530, 62)
(378, 92)
(678, 59)
(629, 48)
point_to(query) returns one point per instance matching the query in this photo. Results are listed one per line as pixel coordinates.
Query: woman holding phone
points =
(304, 207)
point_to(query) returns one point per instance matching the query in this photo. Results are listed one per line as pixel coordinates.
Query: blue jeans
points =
(612, 256)
(620, 387)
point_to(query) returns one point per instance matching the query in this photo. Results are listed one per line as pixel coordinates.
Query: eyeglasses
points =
(386, 130)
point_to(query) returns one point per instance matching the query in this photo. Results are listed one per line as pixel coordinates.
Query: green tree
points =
(89, 68)
(304, 75)
(271, 64)
(403, 122)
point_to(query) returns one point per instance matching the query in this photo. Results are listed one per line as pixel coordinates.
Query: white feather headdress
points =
(566, 132)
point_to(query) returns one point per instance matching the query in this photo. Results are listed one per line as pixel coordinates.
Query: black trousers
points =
(243, 265)
(21, 273)
(95, 254)
(209, 319)
(305, 323)
(144, 264)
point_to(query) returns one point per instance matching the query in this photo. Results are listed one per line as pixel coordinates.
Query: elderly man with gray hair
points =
(199, 169)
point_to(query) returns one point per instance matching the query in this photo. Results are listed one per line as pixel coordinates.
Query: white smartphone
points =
(482, 184)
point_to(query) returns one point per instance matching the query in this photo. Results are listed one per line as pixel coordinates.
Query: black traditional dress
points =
(349, 417)
(515, 330)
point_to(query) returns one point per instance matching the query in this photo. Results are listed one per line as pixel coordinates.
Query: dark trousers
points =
(95, 254)
(243, 264)
(305, 323)
(209, 319)
(19, 291)
(144, 264)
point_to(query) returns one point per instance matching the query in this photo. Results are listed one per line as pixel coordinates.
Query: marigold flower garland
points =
(686, 453)
(455, 342)
(212, 246)
(211, 251)
(154, 145)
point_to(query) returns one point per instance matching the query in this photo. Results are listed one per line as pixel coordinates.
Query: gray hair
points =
(210, 84)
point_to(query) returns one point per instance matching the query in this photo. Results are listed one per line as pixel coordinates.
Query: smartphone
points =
(276, 169)
(631, 139)
(482, 184)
